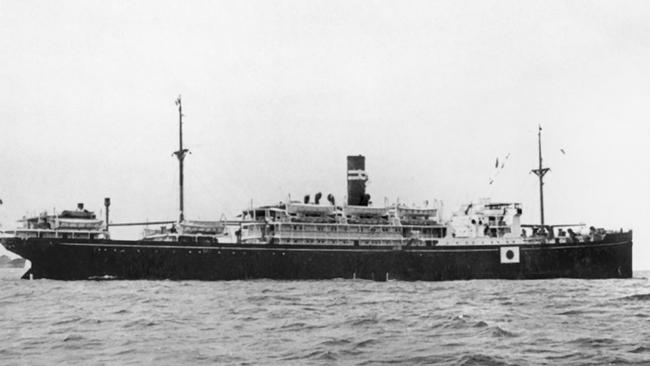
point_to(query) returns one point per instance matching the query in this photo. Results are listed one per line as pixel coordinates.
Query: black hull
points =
(67, 259)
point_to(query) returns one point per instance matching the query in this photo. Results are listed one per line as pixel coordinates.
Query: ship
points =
(317, 239)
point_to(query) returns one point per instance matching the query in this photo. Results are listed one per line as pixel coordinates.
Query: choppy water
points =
(551, 322)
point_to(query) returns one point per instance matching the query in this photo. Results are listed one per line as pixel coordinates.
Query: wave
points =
(407, 360)
(641, 349)
(638, 297)
(140, 323)
(364, 321)
(73, 338)
(295, 327)
(366, 343)
(482, 360)
(73, 319)
(312, 355)
(593, 342)
(480, 324)
(499, 332)
(336, 342)
(574, 312)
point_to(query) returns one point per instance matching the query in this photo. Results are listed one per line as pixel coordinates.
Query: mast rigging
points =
(540, 172)
(180, 154)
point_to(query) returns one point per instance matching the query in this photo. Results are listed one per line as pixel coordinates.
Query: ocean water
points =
(349, 322)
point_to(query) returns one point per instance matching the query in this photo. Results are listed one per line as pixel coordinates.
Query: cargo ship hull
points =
(73, 259)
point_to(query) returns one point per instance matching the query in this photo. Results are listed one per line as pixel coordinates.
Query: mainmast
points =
(540, 172)
(180, 154)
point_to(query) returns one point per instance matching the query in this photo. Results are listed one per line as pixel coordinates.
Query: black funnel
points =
(357, 179)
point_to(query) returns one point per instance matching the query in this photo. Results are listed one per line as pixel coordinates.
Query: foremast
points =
(180, 154)
(540, 172)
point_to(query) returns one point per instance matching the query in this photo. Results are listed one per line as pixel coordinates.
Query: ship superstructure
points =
(69, 224)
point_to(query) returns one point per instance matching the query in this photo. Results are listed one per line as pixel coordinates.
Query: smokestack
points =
(107, 204)
(357, 179)
(80, 206)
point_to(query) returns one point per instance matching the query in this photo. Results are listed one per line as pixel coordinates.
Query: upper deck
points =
(69, 224)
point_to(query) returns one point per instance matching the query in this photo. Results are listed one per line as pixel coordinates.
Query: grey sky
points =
(277, 93)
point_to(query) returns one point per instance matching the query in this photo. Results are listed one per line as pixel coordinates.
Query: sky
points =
(277, 93)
